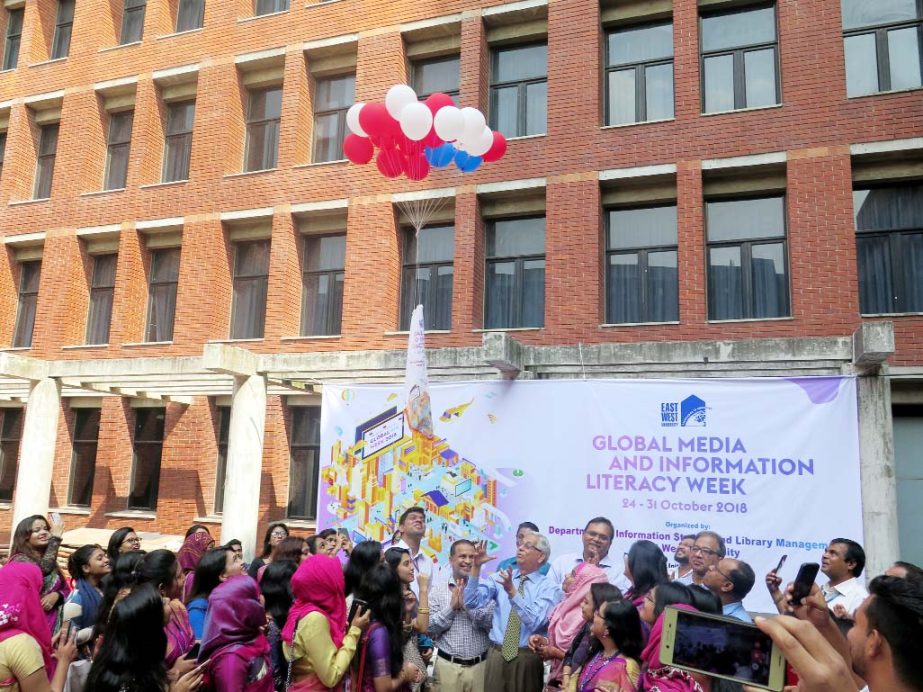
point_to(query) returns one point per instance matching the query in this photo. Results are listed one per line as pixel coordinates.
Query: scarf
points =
(90, 598)
(234, 619)
(20, 607)
(566, 619)
(318, 587)
(192, 550)
(658, 677)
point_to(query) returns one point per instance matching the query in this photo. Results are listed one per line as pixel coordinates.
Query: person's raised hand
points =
(458, 595)
(190, 680)
(592, 556)
(840, 611)
(423, 581)
(773, 582)
(480, 554)
(361, 618)
(65, 647)
(813, 607)
(506, 580)
(57, 526)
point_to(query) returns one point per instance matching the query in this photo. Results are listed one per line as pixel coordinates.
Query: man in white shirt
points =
(412, 524)
(682, 555)
(842, 564)
(597, 539)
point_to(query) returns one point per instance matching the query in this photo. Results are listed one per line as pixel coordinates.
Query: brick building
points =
(708, 188)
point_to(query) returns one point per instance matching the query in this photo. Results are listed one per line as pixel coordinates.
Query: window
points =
(148, 448)
(11, 420)
(739, 59)
(747, 266)
(322, 284)
(178, 143)
(639, 74)
(132, 21)
(117, 149)
(64, 24)
(881, 41)
(304, 446)
(332, 98)
(264, 113)
(519, 90)
(44, 169)
(427, 276)
(161, 306)
(251, 282)
(515, 291)
(889, 245)
(436, 75)
(29, 274)
(270, 6)
(102, 291)
(224, 434)
(13, 37)
(2, 150)
(83, 456)
(641, 265)
(190, 15)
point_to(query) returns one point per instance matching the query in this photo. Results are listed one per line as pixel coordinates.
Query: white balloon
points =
(483, 142)
(398, 96)
(449, 123)
(474, 124)
(416, 121)
(352, 119)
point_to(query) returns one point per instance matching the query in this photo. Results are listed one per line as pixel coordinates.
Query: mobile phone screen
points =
(357, 602)
(734, 650)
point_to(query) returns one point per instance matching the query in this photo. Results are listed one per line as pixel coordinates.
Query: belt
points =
(458, 660)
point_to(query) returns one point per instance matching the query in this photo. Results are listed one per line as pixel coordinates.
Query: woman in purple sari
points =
(35, 541)
(162, 569)
(615, 666)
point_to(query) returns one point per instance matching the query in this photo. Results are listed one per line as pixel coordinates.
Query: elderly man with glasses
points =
(707, 550)
(731, 580)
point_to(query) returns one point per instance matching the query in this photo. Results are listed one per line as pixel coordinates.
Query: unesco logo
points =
(688, 413)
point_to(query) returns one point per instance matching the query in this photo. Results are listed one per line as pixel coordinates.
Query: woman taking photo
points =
(123, 540)
(215, 567)
(88, 565)
(317, 642)
(35, 541)
(615, 667)
(275, 534)
(161, 569)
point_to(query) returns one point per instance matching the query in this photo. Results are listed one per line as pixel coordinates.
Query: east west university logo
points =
(688, 413)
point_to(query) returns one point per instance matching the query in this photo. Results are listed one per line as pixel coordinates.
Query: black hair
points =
(276, 586)
(115, 542)
(624, 626)
(289, 550)
(669, 594)
(79, 559)
(312, 543)
(133, 650)
(527, 525)
(326, 533)
(688, 536)
(854, 553)
(158, 567)
(895, 609)
(234, 542)
(703, 600)
(362, 559)
(267, 548)
(122, 576)
(208, 573)
(743, 579)
(408, 512)
(719, 539)
(393, 556)
(459, 542)
(195, 527)
(913, 571)
(383, 591)
(19, 544)
(604, 592)
(648, 566)
(602, 520)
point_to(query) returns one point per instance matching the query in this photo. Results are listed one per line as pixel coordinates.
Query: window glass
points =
(889, 208)
(536, 108)
(725, 283)
(334, 93)
(859, 13)
(148, 447)
(439, 75)
(904, 57)
(659, 88)
(622, 105)
(324, 253)
(719, 83)
(745, 219)
(770, 287)
(521, 63)
(737, 29)
(861, 65)
(10, 437)
(760, 73)
(513, 237)
(640, 44)
(191, 15)
(83, 456)
(639, 228)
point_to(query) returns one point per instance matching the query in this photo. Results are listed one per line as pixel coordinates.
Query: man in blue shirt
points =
(731, 580)
(524, 598)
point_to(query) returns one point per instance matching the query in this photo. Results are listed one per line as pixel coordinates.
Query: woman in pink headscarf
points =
(315, 635)
(189, 555)
(567, 619)
(25, 642)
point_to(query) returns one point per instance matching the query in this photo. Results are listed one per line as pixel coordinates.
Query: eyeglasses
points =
(715, 567)
(278, 534)
(533, 547)
(707, 552)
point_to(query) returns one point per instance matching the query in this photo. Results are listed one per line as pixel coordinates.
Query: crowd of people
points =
(323, 614)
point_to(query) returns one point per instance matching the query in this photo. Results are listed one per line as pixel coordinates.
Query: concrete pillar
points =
(877, 468)
(36, 452)
(244, 462)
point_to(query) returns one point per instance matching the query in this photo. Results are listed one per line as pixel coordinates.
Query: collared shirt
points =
(850, 593)
(421, 563)
(540, 596)
(684, 578)
(510, 563)
(736, 610)
(562, 566)
(462, 633)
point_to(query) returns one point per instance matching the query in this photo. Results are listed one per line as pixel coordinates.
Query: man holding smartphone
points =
(842, 564)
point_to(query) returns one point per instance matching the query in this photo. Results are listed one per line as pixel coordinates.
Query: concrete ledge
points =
(872, 344)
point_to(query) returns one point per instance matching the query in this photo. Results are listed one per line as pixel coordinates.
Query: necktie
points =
(510, 648)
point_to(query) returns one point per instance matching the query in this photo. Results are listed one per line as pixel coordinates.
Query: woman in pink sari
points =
(34, 540)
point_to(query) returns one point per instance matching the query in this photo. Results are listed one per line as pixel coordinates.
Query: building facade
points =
(692, 189)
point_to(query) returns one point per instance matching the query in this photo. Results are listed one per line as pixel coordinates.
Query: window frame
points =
(746, 255)
(249, 278)
(415, 66)
(222, 440)
(5, 442)
(738, 54)
(882, 56)
(522, 90)
(128, 7)
(115, 147)
(342, 129)
(519, 261)
(642, 253)
(13, 41)
(181, 138)
(146, 444)
(21, 294)
(409, 264)
(640, 70)
(330, 320)
(311, 500)
(250, 122)
(45, 161)
(98, 293)
(75, 455)
(60, 48)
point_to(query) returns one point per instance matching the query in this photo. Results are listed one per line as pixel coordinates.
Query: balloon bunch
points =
(414, 136)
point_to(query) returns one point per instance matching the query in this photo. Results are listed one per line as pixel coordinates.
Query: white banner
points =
(770, 464)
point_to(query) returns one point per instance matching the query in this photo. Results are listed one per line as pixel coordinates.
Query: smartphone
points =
(807, 573)
(343, 532)
(781, 562)
(357, 602)
(55, 518)
(193, 652)
(721, 647)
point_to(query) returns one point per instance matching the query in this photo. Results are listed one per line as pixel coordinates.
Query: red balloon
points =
(416, 167)
(432, 139)
(374, 118)
(390, 163)
(497, 149)
(358, 149)
(410, 147)
(436, 101)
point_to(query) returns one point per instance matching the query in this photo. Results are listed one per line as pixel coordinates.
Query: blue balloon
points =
(443, 155)
(467, 163)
